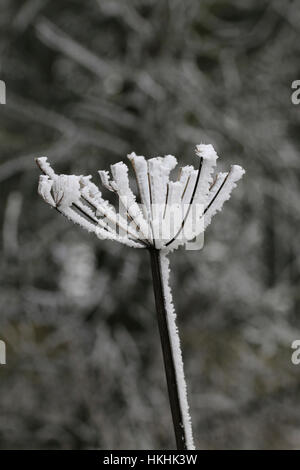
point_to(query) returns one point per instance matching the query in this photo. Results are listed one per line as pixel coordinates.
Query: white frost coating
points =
(78, 219)
(66, 190)
(175, 189)
(141, 171)
(93, 195)
(114, 220)
(176, 351)
(207, 152)
(194, 193)
(156, 178)
(44, 189)
(184, 176)
(159, 171)
(156, 181)
(173, 213)
(209, 158)
(170, 162)
(140, 167)
(90, 212)
(88, 187)
(189, 188)
(45, 167)
(215, 187)
(128, 199)
(80, 201)
(120, 174)
(236, 173)
(208, 197)
(101, 233)
(105, 180)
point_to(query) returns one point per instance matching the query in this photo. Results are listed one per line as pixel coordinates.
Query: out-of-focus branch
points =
(11, 221)
(57, 39)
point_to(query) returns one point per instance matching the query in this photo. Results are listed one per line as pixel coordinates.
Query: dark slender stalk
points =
(167, 351)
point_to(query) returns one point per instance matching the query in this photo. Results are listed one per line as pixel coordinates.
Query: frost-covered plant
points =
(170, 214)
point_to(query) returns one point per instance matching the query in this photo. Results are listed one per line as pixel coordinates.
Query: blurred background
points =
(87, 83)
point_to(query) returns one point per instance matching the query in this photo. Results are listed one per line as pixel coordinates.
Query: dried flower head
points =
(170, 213)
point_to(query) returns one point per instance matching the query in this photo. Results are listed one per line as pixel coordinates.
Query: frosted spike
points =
(128, 199)
(184, 175)
(105, 180)
(173, 214)
(45, 167)
(141, 171)
(189, 187)
(215, 187)
(209, 158)
(44, 189)
(229, 183)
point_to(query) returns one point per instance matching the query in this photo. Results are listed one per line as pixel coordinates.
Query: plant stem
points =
(172, 369)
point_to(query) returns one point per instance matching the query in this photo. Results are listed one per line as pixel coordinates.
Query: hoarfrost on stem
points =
(176, 350)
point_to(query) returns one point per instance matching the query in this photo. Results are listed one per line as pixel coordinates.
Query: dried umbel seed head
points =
(171, 213)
